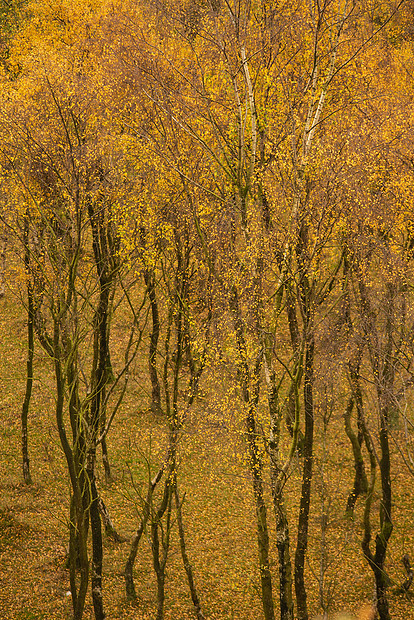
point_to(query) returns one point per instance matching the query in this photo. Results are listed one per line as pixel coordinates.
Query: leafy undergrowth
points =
(217, 509)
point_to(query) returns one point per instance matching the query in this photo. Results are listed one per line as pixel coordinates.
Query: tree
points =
(70, 202)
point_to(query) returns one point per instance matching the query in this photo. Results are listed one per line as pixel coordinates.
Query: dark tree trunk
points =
(285, 565)
(29, 385)
(360, 480)
(97, 550)
(105, 252)
(278, 477)
(255, 461)
(160, 544)
(155, 332)
(104, 259)
(303, 523)
(110, 530)
(383, 369)
(129, 566)
(105, 456)
(30, 353)
(160, 573)
(187, 566)
(360, 485)
(3, 246)
(78, 543)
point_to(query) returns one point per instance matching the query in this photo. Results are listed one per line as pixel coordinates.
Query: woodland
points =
(207, 320)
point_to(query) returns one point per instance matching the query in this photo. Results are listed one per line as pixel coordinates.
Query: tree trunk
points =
(29, 384)
(285, 564)
(97, 550)
(3, 245)
(278, 477)
(186, 561)
(303, 523)
(110, 530)
(105, 456)
(30, 353)
(128, 572)
(383, 371)
(255, 461)
(160, 545)
(152, 360)
(78, 543)
(360, 480)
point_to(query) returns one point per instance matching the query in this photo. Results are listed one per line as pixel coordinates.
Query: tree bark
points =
(383, 372)
(255, 461)
(97, 550)
(128, 572)
(155, 332)
(186, 562)
(303, 523)
(29, 385)
(278, 477)
(30, 354)
(3, 245)
(360, 480)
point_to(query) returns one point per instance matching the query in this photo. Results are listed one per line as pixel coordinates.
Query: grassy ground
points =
(218, 509)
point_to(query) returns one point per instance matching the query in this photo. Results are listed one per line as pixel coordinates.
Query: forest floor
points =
(218, 510)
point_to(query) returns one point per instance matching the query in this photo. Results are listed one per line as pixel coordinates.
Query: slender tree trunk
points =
(295, 340)
(78, 543)
(105, 263)
(110, 529)
(160, 573)
(98, 383)
(155, 332)
(261, 521)
(129, 566)
(104, 250)
(285, 564)
(381, 541)
(187, 566)
(383, 371)
(278, 476)
(255, 462)
(160, 544)
(97, 550)
(355, 401)
(29, 385)
(360, 480)
(303, 523)
(3, 246)
(30, 353)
